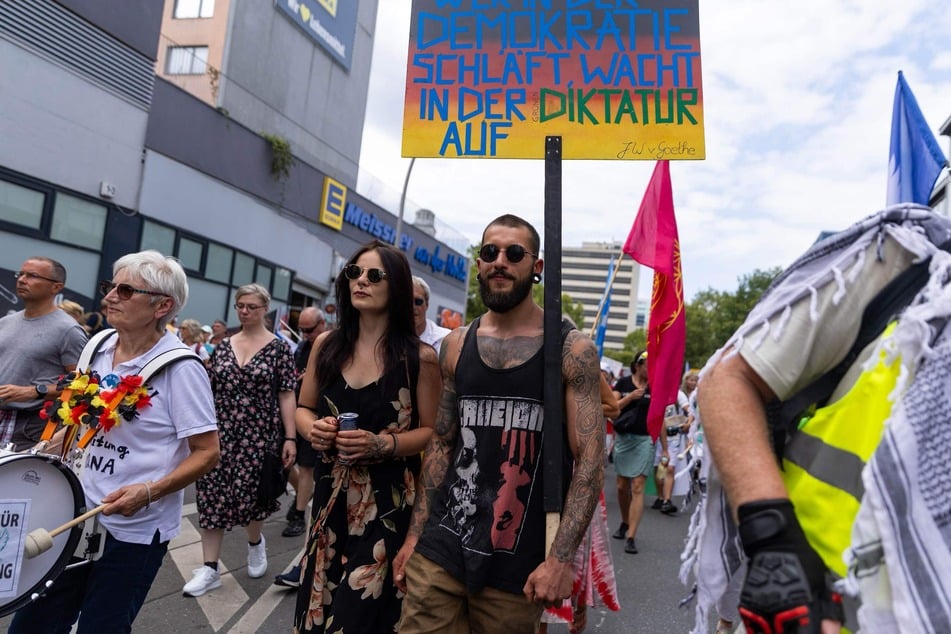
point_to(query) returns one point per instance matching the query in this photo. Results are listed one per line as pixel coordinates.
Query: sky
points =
(797, 107)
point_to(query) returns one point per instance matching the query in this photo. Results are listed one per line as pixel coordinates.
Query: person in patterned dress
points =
(373, 365)
(253, 379)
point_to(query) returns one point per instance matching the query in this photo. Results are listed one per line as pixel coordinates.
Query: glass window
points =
(218, 266)
(20, 205)
(186, 60)
(78, 222)
(158, 237)
(189, 253)
(185, 9)
(243, 269)
(282, 284)
(263, 276)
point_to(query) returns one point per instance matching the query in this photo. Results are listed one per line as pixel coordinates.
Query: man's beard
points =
(505, 301)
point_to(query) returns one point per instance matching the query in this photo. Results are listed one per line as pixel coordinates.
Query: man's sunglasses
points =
(514, 253)
(355, 271)
(419, 301)
(307, 331)
(125, 291)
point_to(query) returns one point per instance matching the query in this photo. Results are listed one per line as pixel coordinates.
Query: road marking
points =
(219, 605)
(253, 620)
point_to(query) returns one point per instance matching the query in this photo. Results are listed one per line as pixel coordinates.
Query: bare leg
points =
(211, 539)
(668, 483)
(304, 487)
(254, 530)
(636, 505)
(624, 497)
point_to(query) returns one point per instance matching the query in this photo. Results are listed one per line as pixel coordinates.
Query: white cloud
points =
(797, 109)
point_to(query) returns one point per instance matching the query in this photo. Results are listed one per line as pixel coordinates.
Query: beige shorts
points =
(437, 602)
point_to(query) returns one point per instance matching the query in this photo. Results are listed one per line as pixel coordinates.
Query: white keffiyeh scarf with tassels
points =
(906, 512)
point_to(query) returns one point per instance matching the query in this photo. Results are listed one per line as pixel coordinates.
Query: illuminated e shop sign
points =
(336, 210)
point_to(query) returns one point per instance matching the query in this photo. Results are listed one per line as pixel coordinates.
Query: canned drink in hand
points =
(346, 421)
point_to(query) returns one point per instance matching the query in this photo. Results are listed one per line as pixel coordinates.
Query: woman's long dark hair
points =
(400, 340)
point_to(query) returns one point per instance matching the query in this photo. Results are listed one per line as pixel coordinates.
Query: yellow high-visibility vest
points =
(823, 461)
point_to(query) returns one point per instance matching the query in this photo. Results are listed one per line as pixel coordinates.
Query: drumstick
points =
(41, 540)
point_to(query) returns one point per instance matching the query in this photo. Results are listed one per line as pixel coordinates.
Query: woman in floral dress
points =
(253, 378)
(373, 365)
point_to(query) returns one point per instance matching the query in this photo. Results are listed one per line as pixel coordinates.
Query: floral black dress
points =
(249, 424)
(360, 517)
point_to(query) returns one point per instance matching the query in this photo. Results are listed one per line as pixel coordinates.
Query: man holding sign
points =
(478, 528)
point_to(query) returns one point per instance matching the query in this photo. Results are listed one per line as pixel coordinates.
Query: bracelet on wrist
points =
(148, 494)
(289, 439)
(395, 445)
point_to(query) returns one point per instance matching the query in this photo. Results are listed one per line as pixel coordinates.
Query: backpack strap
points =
(164, 359)
(92, 347)
(784, 416)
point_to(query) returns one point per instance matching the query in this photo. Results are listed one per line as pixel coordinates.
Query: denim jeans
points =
(105, 595)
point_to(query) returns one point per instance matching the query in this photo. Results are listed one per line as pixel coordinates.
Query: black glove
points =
(786, 590)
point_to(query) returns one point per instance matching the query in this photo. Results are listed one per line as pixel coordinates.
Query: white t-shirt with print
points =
(150, 446)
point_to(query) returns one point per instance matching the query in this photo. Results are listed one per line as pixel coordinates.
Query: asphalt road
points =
(647, 582)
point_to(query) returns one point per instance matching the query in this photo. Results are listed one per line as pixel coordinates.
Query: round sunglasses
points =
(126, 291)
(514, 253)
(355, 271)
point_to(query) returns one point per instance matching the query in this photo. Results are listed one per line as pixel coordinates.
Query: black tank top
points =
(487, 524)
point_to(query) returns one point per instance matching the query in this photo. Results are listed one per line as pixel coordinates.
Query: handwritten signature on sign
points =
(659, 151)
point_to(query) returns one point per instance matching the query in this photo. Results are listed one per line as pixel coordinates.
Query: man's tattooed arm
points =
(585, 421)
(439, 450)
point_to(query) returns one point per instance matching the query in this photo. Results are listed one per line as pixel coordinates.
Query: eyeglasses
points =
(307, 331)
(355, 271)
(125, 291)
(514, 253)
(252, 307)
(30, 275)
(419, 301)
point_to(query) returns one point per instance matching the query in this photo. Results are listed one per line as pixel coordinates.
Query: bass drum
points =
(55, 497)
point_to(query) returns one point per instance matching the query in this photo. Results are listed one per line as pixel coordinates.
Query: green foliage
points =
(475, 307)
(634, 342)
(712, 316)
(281, 156)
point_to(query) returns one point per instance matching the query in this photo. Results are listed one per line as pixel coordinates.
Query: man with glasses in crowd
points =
(475, 552)
(427, 329)
(39, 343)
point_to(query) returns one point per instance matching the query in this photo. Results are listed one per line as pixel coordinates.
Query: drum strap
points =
(152, 367)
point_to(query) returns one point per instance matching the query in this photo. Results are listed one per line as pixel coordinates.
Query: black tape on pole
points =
(554, 400)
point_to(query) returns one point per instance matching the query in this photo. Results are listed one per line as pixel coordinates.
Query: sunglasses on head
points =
(514, 253)
(126, 291)
(355, 271)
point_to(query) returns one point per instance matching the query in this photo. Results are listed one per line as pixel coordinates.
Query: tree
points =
(634, 342)
(713, 316)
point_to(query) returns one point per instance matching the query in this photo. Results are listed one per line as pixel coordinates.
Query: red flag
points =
(654, 243)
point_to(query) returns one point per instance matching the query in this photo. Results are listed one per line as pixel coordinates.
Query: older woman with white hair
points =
(253, 378)
(139, 467)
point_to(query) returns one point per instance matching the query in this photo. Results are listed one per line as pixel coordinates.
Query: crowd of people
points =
(404, 501)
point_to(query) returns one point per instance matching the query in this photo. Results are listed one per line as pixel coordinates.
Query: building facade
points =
(102, 158)
(584, 275)
(941, 195)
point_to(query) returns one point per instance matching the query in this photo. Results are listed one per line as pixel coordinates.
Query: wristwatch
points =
(42, 389)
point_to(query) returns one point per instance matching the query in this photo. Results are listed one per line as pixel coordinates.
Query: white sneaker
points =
(203, 579)
(257, 560)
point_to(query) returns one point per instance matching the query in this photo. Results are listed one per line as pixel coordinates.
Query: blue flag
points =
(603, 326)
(914, 159)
